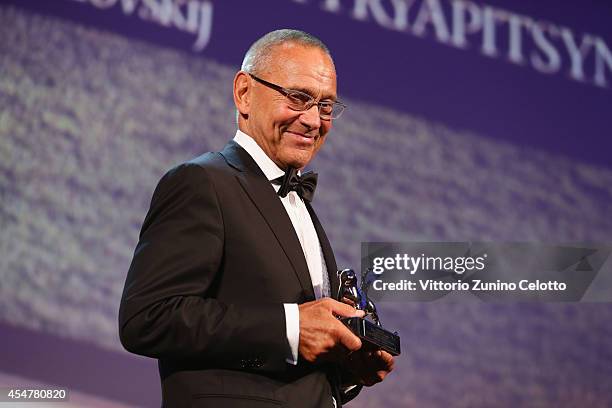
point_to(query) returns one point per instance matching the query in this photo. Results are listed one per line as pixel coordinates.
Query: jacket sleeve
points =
(167, 310)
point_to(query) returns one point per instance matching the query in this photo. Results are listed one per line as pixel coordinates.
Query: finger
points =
(349, 301)
(386, 358)
(373, 378)
(361, 366)
(377, 373)
(380, 360)
(380, 375)
(344, 310)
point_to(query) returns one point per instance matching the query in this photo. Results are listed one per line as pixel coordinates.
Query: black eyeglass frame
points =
(311, 101)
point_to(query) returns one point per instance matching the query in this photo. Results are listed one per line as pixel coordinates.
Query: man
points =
(229, 280)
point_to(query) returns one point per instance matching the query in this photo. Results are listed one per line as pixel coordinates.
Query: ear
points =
(242, 93)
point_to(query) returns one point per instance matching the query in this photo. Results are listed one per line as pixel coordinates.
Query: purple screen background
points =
(437, 144)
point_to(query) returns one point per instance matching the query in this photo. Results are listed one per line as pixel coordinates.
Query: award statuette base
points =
(374, 336)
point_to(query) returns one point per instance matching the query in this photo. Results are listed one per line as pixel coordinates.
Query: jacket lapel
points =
(328, 253)
(263, 196)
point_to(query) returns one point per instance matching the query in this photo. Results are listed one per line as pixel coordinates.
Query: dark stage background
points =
(485, 120)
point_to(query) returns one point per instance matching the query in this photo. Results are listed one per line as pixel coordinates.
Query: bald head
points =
(260, 55)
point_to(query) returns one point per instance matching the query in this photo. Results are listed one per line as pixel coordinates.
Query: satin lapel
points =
(328, 253)
(262, 194)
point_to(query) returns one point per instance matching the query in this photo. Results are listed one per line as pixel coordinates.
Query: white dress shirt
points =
(305, 231)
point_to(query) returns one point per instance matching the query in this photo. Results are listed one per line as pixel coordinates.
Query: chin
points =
(298, 159)
(298, 163)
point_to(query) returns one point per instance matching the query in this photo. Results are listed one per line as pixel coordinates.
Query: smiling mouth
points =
(301, 137)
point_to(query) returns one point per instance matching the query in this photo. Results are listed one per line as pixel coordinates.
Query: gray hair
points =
(258, 55)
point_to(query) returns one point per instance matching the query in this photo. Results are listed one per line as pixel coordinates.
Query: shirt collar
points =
(269, 168)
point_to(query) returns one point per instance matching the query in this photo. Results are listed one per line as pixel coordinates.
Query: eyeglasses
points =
(301, 101)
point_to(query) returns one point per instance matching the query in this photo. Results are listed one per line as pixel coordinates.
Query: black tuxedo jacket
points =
(216, 259)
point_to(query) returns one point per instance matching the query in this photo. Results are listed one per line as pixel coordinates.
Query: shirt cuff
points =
(292, 321)
(347, 389)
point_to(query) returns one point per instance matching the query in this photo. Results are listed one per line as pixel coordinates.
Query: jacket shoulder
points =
(212, 164)
(208, 160)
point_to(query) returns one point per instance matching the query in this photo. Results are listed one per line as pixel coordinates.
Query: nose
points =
(310, 118)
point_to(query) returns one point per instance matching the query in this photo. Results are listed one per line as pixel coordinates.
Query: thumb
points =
(349, 339)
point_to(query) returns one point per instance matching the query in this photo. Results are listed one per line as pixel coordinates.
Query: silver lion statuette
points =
(370, 332)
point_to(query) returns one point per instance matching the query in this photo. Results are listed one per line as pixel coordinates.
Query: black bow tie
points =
(304, 185)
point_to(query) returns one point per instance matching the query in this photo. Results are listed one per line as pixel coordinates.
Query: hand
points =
(348, 301)
(322, 336)
(368, 367)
